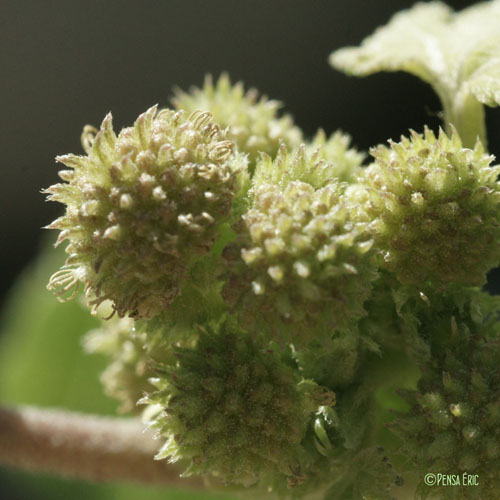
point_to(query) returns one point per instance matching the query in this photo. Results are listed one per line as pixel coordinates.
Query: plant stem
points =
(87, 447)
(466, 114)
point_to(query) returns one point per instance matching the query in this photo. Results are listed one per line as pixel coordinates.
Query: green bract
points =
(141, 206)
(231, 408)
(433, 209)
(253, 122)
(458, 54)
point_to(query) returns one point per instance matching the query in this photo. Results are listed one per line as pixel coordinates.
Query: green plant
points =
(262, 292)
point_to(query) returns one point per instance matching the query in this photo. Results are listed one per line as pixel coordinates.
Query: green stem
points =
(467, 115)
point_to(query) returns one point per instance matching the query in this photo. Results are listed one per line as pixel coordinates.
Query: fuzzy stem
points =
(467, 115)
(87, 447)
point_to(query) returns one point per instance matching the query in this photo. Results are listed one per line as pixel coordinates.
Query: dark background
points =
(67, 63)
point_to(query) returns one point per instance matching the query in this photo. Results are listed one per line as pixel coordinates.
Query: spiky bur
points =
(199, 303)
(453, 424)
(301, 266)
(230, 408)
(253, 122)
(142, 206)
(345, 162)
(433, 208)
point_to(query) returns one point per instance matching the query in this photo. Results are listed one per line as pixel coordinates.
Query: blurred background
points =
(67, 63)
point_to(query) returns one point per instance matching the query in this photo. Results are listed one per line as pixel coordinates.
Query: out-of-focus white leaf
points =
(457, 53)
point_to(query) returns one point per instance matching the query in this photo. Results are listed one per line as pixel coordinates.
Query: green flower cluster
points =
(141, 206)
(269, 292)
(132, 359)
(454, 421)
(317, 163)
(252, 121)
(231, 408)
(433, 209)
(345, 162)
(126, 376)
(303, 261)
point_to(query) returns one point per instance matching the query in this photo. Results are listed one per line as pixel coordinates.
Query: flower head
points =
(231, 409)
(345, 161)
(453, 424)
(301, 266)
(434, 209)
(253, 123)
(141, 206)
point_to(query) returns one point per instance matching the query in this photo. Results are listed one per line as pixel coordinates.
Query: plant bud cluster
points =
(141, 206)
(345, 162)
(252, 121)
(132, 360)
(231, 408)
(302, 258)
(264, 289)
(126, 376)
(453, 425)
(433, 209)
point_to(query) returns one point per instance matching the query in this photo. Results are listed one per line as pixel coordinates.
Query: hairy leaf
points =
(457, 53)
